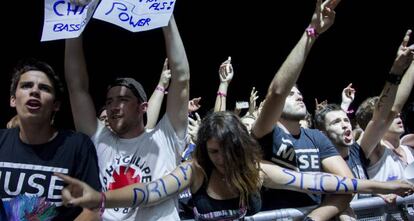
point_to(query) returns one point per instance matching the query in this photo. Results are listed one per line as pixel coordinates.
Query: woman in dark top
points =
(225, 177)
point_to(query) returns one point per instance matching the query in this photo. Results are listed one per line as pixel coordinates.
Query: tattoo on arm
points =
(383, 97)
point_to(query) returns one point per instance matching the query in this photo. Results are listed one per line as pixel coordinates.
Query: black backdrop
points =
(359, 48)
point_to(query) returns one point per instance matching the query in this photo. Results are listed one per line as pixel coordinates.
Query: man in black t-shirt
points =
(292, 146)
(31, 153)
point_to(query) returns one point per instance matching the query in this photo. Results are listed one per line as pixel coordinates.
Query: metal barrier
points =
(372, 208)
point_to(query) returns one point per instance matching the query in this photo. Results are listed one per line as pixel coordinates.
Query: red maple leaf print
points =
(123, 179)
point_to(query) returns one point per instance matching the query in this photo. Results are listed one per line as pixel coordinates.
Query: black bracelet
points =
(394, 78)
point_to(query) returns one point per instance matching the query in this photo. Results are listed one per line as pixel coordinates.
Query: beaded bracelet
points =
(221, 94)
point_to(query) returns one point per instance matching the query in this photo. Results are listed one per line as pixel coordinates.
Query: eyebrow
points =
(31, 82)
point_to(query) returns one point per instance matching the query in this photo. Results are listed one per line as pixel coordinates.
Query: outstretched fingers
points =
(165, 66)
(331, 4)
(406, 38)
(70, 192)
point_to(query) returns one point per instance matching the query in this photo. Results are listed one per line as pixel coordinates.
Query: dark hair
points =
(408, 117)
(321, 114)
(131, 84)
(241, 152)
(365, 111)
(32, 64)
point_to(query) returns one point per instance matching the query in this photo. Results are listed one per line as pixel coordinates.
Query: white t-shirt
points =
(148, 157)
(389, 166)
(408, 153)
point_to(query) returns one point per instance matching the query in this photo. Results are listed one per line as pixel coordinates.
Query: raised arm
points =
(226, 74)
(177, 101)
(320, 183)
(405, 87)
(77, 80)
(78, 193)
(348, 95)
(252, 102)
(287, 75)
(383, 116)
(155, 101)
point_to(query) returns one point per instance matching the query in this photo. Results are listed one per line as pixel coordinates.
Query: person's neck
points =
(343, 150)
(135, 132)
(290, 126)
(33, 133)
(393, 139)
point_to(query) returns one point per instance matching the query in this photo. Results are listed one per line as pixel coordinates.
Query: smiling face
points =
(124, 112)
(294, 108)
(34, 98)
(338, 128)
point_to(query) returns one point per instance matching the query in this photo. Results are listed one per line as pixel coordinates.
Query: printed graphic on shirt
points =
(122, 172)
(31, 180)
(25, 207)
(299, 158)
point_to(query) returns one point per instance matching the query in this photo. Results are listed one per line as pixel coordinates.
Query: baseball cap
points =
(131, 84)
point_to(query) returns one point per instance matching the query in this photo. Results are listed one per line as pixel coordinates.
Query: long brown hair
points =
(241, 152)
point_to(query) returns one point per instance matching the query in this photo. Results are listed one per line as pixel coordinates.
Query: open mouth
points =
(33, 104)
(348, 136)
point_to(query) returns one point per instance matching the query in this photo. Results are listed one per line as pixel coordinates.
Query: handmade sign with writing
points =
(136, 15)
(65, 20)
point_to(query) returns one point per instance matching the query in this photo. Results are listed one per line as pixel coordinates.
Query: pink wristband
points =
(102, 204)
(221, 94)
(311, 32)
(162, 89)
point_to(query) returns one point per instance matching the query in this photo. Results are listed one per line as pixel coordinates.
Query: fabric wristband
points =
(162, 89)
(394, 78)
(311, 32)
(221, 94)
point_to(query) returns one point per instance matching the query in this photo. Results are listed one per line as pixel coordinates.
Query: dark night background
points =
(360, 48)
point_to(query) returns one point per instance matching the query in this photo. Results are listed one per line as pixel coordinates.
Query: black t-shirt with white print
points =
(28, 169)
(305, 153)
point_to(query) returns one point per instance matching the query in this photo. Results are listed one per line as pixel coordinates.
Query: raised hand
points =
(165, 75)
(404, 56)
(320, 106)
(193, 126)
(348, 96)
(226, 71)
(324, 15)
(252, 101)
(194, 104)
